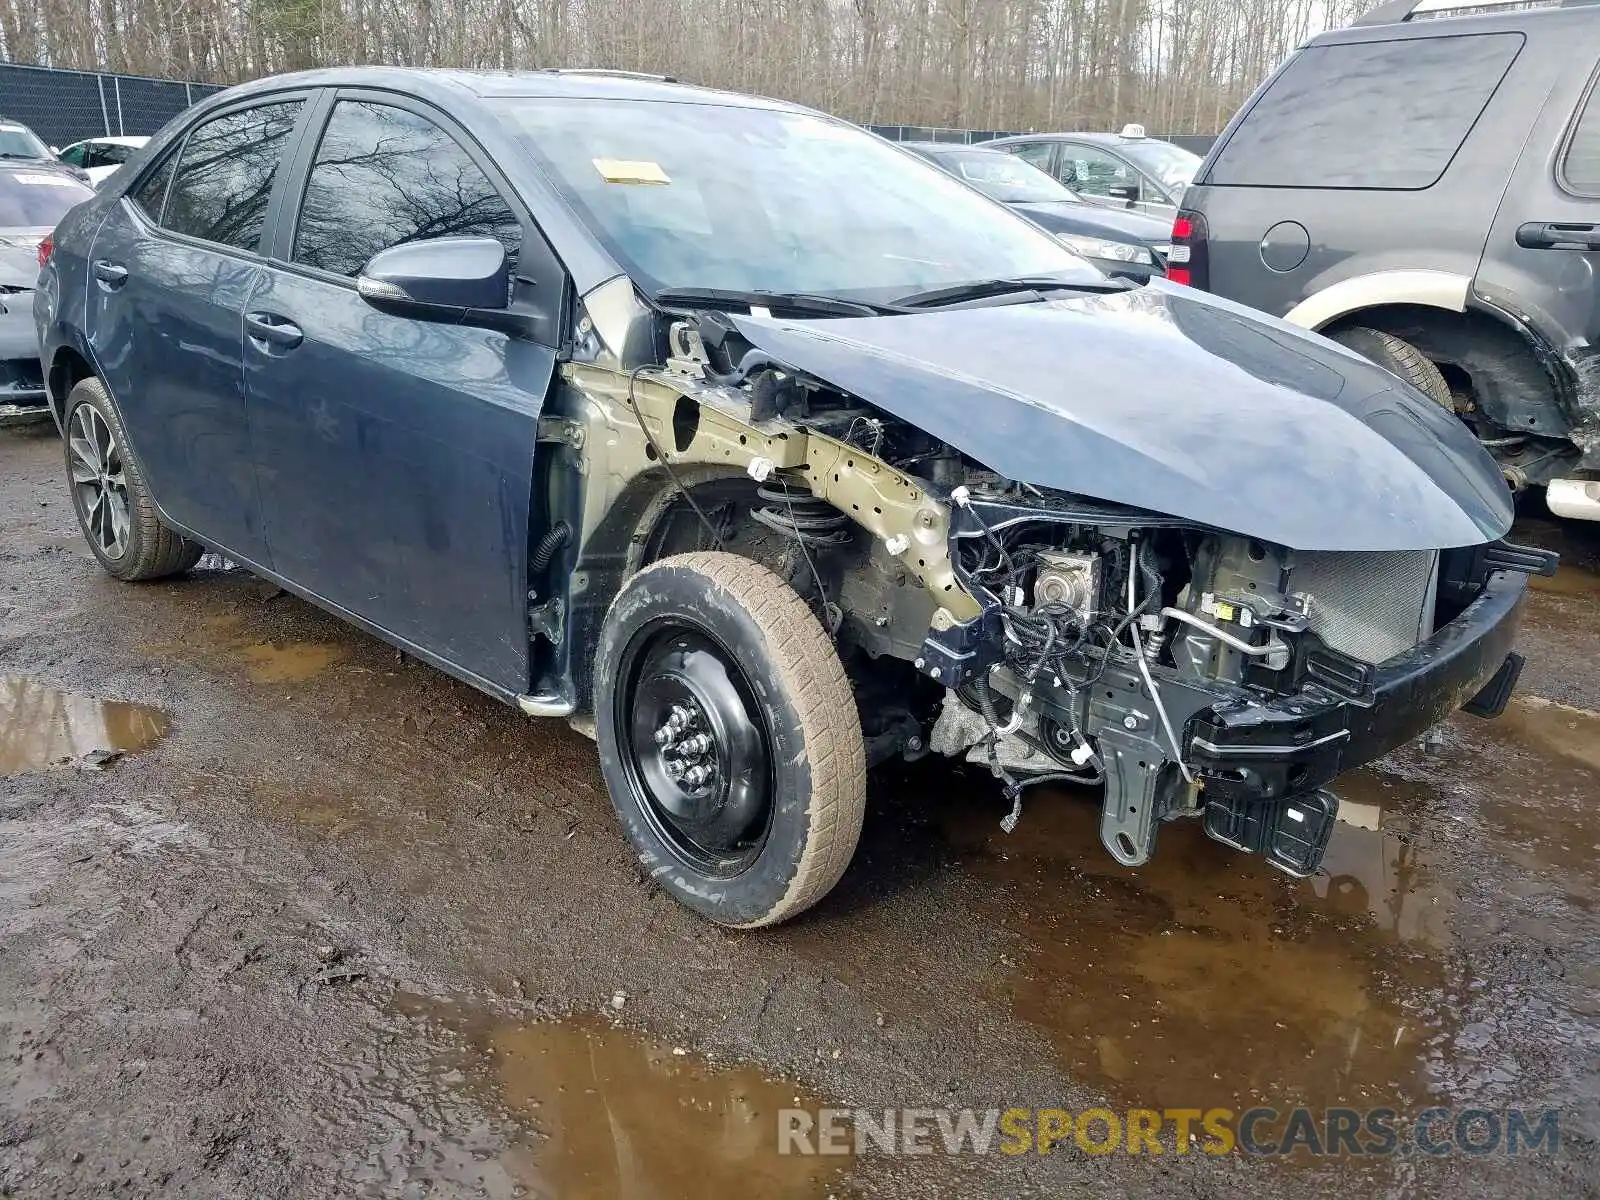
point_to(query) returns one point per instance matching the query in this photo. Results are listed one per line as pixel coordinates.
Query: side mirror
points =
(462, 280)
(1128, 193)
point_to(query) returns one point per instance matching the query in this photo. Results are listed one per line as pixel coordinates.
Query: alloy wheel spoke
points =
(84, 449)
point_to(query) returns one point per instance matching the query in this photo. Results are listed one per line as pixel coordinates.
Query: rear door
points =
(1038, 154)
(170, 271)
(1365, 156)
(396, 455)
(1544, 249)
(1106, 178)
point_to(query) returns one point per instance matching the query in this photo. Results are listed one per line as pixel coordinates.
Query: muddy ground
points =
(335, 925)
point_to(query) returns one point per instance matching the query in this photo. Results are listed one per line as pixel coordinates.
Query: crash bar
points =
(1394, 11)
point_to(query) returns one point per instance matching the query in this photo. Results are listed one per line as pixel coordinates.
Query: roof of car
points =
(946, 147)
(1103, 139)
(115, 140)
(576, 83)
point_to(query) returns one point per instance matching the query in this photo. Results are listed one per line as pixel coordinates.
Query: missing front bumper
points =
(1263, 750)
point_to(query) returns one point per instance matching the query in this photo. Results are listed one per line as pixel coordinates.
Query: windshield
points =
(18, 141)
(1172, 165)
(711, 196)
(1006, 177)
(36, 200)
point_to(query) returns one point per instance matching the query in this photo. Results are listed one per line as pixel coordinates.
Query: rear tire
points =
(729, 738)
(1398, 357)
(115, 509)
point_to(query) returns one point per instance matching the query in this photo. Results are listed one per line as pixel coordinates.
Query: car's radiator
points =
(1369, 605)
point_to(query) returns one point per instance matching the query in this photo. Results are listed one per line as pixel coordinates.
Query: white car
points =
(100, 157)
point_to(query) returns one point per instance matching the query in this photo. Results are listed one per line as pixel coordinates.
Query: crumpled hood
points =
(1173, 401)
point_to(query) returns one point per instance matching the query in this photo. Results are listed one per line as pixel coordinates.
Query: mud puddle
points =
(41, 726)
(622, 1117)
(1207, 977)
(225, 637)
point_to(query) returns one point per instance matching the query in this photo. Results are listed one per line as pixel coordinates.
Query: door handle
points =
(110, 274)
(271, 330)
(1550, 235)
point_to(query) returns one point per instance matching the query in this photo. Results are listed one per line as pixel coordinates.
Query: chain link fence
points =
(66, 106)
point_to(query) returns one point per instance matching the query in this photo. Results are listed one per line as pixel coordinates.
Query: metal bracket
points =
(1133, 803)
(548, 620)
(563, 431)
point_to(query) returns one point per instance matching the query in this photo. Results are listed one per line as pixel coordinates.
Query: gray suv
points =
(1427, 191)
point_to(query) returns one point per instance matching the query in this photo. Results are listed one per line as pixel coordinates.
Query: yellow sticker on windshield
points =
(620, 170)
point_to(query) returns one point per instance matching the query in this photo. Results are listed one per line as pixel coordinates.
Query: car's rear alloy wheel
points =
(99, 481)
(115, 509)
(729, 738)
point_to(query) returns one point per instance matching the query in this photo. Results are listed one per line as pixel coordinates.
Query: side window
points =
(1093, 172)
(224, 175)
(383, 176)
(1387, 115)
(1036, 153)
(1580, 165)
(73, 155)
(151, 192)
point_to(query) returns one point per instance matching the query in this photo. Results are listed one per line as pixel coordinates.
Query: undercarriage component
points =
(1291, 833)
(1141, 787)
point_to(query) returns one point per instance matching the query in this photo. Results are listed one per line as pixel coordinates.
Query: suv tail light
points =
(47, 247)
(1189, 261)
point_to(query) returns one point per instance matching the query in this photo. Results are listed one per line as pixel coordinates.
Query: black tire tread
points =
(808, 666)
(1398, 357)
(161, 552)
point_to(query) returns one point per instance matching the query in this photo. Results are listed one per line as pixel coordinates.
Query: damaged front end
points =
(972, 544)
(1202, 674)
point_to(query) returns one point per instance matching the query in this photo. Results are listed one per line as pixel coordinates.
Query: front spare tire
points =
(729, 738)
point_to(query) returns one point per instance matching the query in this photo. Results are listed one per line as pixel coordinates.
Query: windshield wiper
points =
(804, 302)
(980, 289)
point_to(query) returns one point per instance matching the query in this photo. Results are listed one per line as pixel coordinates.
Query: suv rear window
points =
(1387, 115)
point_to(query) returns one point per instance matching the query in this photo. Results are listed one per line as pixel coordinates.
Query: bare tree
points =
(1179, 66)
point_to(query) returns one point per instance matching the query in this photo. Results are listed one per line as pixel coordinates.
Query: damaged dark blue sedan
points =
(766, 452)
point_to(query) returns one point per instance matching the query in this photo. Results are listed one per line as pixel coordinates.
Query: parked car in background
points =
(1124, 170)
(18, 143)
(34, 196)
(1127, 245)
(766, 451)
(101, 157)
(1426, 190)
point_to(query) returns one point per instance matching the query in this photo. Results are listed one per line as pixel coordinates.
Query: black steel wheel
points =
(115, 509)
(694, 747)
(729, 738)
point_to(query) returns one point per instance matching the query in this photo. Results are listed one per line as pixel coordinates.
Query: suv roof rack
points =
(1393, 11)
(613, 73)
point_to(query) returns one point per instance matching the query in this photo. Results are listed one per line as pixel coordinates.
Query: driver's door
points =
(396, 455)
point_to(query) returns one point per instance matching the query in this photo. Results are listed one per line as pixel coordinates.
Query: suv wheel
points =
(1398, 357)
(115, 509)
(729, 738)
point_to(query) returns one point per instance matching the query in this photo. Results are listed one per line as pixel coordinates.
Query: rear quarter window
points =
(1580, 165)
(1385, 115)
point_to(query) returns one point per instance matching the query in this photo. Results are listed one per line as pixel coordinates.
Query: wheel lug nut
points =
(665, 735)
(697, 744)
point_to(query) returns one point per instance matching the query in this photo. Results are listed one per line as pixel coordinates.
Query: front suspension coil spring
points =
(791, 509)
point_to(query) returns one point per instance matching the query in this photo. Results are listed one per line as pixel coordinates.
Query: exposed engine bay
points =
(1048, 636)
